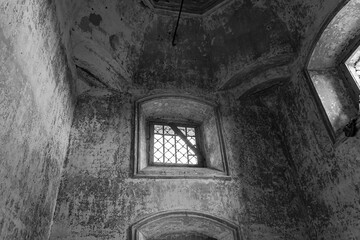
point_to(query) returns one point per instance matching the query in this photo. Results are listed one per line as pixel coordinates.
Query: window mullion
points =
(163, 143)
(187, 147)
(175, 153)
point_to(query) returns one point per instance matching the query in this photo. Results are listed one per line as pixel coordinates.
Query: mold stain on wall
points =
(71, 72)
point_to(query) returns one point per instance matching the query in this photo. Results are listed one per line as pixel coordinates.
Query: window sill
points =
(180, 172)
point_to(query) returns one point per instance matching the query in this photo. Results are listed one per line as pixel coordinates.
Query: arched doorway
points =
(176, 225)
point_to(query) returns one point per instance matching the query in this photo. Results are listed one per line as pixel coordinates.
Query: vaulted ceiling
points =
(126, 44)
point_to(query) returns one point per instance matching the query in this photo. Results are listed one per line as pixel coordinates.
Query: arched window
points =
(334, 86)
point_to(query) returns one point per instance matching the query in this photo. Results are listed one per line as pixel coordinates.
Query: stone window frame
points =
(181, 108)
(344, 50)
(186, 221)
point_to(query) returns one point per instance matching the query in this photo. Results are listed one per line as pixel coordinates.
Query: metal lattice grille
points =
(170, 148)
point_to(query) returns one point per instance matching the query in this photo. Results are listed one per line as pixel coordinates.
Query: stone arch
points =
(187, 222)
(334, 89)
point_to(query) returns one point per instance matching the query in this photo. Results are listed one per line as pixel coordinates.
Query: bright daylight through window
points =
(174, 144)
(353, 65)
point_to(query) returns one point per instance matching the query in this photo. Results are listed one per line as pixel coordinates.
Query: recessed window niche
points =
(331, 69)
(184, 109)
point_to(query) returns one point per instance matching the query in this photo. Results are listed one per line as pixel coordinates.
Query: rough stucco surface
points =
(35, 116)
(327, 175)
(246, 39)
(288, 180)
(270, 191)
(98, 197)
(125, 42)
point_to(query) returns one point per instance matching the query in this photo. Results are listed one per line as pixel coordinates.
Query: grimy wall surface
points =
(288, 181)
(99, 199)
(35, 117)
(328, 174)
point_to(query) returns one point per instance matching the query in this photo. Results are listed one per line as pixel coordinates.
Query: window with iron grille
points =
(173, 144)
(178, 136)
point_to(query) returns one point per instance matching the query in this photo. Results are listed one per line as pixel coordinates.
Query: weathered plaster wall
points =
(117, 41)
(99, 199)
(327, 174)
(65, 12)
(289, 182)
(125, 42)
(35, 116)
(273, 198)
(186, 65)
(107, 38)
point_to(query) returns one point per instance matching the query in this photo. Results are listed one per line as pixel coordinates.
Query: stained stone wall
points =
(288, 179)
(36, 104)
(99, 197)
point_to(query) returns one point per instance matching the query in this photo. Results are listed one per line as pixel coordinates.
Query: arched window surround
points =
(335, 91)
(186, 221)
(185, 108)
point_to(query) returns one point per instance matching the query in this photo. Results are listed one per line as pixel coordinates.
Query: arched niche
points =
(183, 108)
(184, 222)
(334, 89)
(264, 80)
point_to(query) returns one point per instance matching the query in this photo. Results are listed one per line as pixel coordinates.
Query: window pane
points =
(193, 160)
(191, 131)
(158, 148)
(183, 130)
(168, 130)
(191, 152)
(192, 140)
(158, 129)
(181, 153)
(169, 148)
